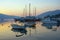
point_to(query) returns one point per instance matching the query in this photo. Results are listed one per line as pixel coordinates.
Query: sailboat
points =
(16, 26)
(29, 18)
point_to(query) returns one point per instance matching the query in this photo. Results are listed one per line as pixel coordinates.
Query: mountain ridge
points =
(49, 13)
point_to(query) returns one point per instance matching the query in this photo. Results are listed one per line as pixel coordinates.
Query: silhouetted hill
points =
(49, 13)
(4, 17)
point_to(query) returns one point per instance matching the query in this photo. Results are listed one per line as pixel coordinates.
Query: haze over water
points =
(15, 7)
(37, 27)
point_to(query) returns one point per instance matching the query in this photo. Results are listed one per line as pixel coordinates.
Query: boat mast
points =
(25, 11)
(29, 9)
(35, 11)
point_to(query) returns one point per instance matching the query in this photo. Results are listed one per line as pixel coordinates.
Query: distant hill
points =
(4, 17)
(49, 13)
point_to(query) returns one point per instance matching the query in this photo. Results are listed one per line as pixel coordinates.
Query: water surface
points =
(38, 33)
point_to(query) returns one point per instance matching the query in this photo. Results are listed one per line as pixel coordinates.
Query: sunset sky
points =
(15, 7)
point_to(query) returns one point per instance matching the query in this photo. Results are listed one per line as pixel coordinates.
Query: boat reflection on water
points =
(50, 25)
(30, 25)
(22, 29)
(26, 24)
(19, 29)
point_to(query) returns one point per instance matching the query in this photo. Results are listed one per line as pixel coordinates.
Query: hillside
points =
(4, 17)
(49, 13)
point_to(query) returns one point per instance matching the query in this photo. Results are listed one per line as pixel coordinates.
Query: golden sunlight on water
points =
(40, 31)
(4, 27)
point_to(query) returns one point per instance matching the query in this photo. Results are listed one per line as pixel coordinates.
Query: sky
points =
(15, 7)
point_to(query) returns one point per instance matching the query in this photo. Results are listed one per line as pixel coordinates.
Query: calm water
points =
(38, 33)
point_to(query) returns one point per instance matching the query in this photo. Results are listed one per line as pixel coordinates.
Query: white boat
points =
(30, 23)
(15, 26)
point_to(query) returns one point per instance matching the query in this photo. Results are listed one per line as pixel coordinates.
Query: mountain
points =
(49, 13)
(4, 17)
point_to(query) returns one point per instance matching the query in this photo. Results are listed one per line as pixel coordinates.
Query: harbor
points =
(29, 19)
